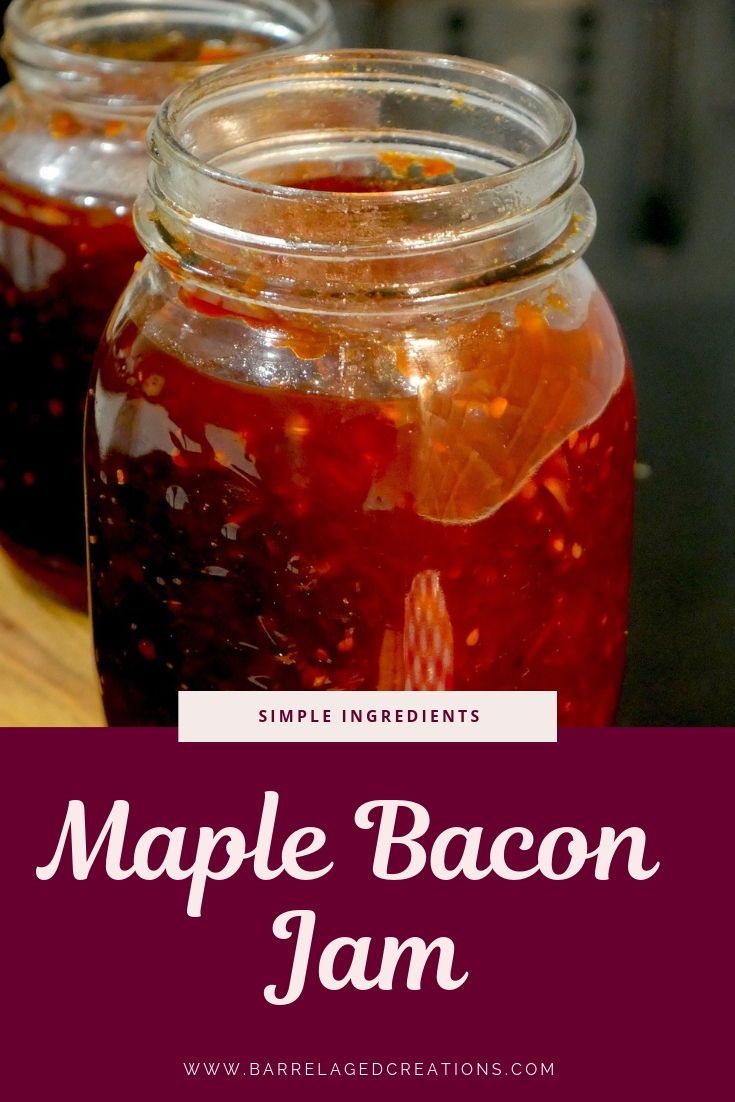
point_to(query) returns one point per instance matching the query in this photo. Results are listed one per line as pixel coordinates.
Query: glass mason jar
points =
(88, 78)
(363, 418)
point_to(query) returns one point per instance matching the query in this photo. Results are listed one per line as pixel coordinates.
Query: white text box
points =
(367, 717)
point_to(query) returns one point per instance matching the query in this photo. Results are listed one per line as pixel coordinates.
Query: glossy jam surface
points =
(62, 268)
(465, 531)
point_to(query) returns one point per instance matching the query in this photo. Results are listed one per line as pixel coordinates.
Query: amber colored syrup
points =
(62, 268)
(253, 553)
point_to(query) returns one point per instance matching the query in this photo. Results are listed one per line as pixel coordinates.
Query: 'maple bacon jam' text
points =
(68, 175)
(266, 537)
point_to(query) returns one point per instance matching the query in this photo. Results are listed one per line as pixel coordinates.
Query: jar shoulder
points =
(566, 318)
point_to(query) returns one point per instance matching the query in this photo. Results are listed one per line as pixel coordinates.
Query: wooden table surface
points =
(47, 676)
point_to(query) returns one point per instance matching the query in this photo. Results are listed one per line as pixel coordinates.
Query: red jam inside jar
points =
(284, 501)
(63, 269)
(276, 544)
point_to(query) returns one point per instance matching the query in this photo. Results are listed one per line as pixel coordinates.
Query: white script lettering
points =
(356, 953)
(551, 853)
(219, 854)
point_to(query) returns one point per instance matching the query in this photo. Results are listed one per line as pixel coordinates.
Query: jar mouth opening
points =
(268, 76)
(82, 42)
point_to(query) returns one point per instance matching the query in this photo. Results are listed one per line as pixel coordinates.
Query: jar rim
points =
(217, 206)
(271, 67)
(26, 43)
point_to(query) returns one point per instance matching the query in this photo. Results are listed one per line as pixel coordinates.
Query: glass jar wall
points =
(88, 78)
(363, 418)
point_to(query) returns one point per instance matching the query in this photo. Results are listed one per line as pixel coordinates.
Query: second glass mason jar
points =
(88, 78)
(363, 418)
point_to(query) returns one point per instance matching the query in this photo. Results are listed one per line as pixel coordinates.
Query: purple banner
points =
(576, 989)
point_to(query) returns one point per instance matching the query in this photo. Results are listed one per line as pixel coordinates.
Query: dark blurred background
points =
(652, 83)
